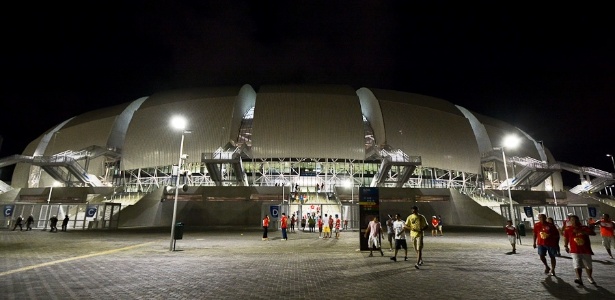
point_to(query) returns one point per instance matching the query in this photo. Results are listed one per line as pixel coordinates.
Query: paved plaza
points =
(466, 263)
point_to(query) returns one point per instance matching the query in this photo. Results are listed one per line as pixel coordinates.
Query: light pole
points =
(612, 160)
(177, 123)
(510, 141)
(48, 207)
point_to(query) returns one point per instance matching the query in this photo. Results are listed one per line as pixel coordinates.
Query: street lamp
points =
(511, 141)
(612, 160)
(177, 123)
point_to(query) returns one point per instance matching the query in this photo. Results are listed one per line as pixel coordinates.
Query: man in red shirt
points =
(606, 231)
(284, 225)
(577, 236)
(545, 240)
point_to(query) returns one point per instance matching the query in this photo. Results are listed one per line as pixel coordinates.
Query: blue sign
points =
(8, 210)
(275, 211)
(90, 211)
(528, 211)
(592, 211)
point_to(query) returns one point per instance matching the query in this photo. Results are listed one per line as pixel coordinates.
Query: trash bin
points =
(179, 231)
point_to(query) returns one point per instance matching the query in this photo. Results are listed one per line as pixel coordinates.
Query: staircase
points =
(222, 162)
(391, 159)
(534, 172)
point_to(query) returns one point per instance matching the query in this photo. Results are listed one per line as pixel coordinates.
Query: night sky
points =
(548, 70)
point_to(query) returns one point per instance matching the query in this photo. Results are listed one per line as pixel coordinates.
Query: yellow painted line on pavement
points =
(71, 258)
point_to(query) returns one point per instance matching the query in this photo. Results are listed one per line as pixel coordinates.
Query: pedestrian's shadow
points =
(564, 290)
(603, 262)
(559, 288)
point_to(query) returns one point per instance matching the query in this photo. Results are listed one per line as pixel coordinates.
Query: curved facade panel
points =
(498, 130)
(151, 141)
(480, 133)
(312, 123)
(245, 101)
(370, 107)
(22, 170)
(442, 138)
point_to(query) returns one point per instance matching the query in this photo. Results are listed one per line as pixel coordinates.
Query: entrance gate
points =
(557, 212)
(82, 216)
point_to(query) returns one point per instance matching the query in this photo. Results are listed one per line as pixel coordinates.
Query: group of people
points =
(326, 226)
(53, 223)
(546, 239)
(416, 224)
(312, 221)
(436, 226)
(19, 220)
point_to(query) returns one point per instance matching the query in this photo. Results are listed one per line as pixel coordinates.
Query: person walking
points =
(265, 227)
(29, 222)
(374, 232)
(65, 222)
(400, 237)
(303, 222)
(577, 236)
(18, 223)
(606, 231)
(416, 224)
(434, 226)
(311, 221)
(331, 226)
(440, 225)
(337, 225)
(511, 232)
(390, 232)
(293, 219)
(545, 240)
(325, 227)
(557, 248)
(521, 230)
(283, 226)
(53, 224)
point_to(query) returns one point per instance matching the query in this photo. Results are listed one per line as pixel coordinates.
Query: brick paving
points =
(466, 263)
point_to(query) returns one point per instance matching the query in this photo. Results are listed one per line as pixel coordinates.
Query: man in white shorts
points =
(577, 236)
(374, 231)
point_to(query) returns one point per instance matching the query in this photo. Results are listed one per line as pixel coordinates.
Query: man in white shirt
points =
(400, 237)
(325, 227)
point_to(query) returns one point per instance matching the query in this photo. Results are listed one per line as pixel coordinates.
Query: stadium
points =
(304, 149)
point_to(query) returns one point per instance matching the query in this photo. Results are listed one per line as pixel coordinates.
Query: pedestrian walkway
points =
(466, 263)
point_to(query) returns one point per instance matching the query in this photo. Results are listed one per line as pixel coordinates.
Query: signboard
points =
(528, 211)
(8, 210)
(274, 210)
(592, 211)
(369, 207)
(90, 211)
